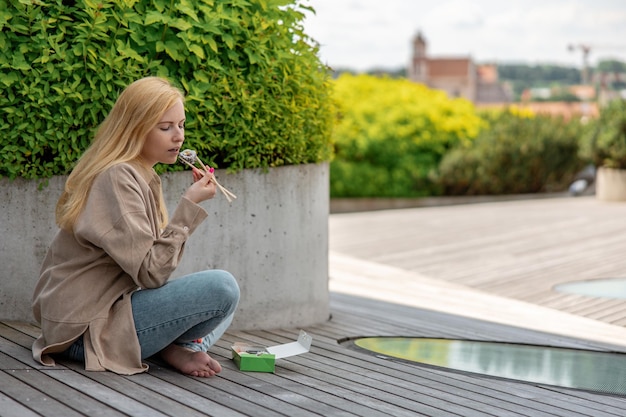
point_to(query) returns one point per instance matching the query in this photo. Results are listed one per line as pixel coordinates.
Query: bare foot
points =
(191, 362)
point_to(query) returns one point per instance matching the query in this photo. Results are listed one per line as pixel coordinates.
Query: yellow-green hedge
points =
(391, 135)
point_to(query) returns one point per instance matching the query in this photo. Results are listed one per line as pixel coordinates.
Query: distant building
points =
(583, 92)
(542, 101)
(457, 76)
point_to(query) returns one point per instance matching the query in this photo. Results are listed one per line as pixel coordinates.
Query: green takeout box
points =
(261, 359)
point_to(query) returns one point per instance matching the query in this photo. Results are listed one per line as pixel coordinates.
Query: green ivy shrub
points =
(604, 140)
(257, 94)
(516, 154)
(391, 134)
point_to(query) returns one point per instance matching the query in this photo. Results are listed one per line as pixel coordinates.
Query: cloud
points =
(364, 34)
(457, 15)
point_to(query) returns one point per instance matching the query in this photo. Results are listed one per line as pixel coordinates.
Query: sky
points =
(368, 34)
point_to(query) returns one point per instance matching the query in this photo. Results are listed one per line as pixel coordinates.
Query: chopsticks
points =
(189, 157)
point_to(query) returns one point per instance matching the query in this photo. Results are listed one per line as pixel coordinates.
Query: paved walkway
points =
(497, 261)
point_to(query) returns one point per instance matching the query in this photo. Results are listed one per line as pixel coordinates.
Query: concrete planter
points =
(611, 184)
(273, 238)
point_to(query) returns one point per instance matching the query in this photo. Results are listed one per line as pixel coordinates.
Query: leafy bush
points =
(604, 141)
(257, 95)
(516, 154)
(391, 134)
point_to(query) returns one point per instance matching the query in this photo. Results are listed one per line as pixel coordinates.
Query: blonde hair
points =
(120, 138)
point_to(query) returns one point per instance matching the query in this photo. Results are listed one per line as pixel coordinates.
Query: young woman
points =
(104, 295)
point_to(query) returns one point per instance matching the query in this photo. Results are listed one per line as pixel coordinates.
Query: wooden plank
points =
(10, 331)
(430, 385)
(285, 389)
(249, 400)
(8, 363)
(572, 405)
(611, 316)
(402, 388)
(368, 310)
(176, 393)
(32, 398)
(17, 346)
(346, 394)
(111, 398)
(78, 401)
(620, 322)
(19, 353)
(10, 407)
(519, 249)
(28, 329)
(497, 396)
(350, 315)
(595, 307)
(140, 388)
(495, 385)
(311, 397)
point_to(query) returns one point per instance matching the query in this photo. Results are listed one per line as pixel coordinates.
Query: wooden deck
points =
(514, 249)
(481, 272)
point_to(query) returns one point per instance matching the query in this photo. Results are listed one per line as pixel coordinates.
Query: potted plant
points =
(604, 143)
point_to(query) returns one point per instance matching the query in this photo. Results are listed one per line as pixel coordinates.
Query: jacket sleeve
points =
(121, 218)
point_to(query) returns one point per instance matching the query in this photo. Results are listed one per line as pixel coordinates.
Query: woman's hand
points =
(202, 188)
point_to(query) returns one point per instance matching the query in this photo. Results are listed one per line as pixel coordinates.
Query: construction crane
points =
(586, 50)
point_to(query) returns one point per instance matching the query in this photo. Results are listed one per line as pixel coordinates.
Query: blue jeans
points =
(196, 306)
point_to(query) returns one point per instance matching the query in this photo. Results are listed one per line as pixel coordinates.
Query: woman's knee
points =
(223, 285)
(213, 289)
(229, 286)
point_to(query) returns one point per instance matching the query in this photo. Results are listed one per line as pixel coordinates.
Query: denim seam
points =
(180, 320)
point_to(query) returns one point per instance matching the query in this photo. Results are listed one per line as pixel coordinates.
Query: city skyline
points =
(369, 34)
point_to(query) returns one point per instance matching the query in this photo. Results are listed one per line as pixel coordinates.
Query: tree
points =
(611, 66)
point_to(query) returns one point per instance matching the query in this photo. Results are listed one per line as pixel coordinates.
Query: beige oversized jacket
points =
(88, 277)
